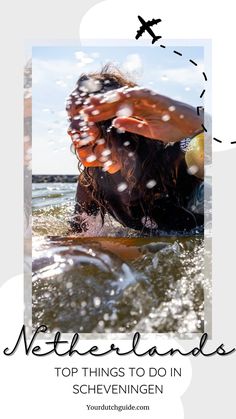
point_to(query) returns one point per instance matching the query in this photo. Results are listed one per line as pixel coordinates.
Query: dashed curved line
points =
(203, 91)
(178, 53)
(198, 109)
(201, 95)
(193, 62)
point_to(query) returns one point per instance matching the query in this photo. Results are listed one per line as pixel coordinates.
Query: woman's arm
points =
(144, 112)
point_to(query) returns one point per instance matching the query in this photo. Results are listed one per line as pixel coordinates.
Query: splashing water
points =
(115, 282)
(165, 117)
(151, 183)
(125, 111)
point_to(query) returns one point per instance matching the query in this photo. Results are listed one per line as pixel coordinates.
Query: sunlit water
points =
(107, 284)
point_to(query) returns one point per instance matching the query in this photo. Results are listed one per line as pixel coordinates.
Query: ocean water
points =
(116, 282)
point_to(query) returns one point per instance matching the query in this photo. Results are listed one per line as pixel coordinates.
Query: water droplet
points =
(108, 163)
(165, 117)
(149, 222)
(91, 158)
(90, 85)
(112, 97)
(181, 116)
(100, 141)
(125, 111)
(106, 152)
(151, 183)
(85, 141)
(97, 301)
(126, 143)
(103, 159)
(172, 108)
(95, 112)
(83, 124)
(192, 170)
(113, 317)
(83, 89)
(122, 187)
(120, 130)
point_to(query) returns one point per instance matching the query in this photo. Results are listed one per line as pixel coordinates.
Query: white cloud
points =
(188, 77)
(52, 70)
(83, 58)
(62, 71)
(132, 64)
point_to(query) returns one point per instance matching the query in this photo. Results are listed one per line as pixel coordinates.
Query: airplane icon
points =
(146, 26)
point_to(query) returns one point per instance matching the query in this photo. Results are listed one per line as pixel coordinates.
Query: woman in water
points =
(131, 145)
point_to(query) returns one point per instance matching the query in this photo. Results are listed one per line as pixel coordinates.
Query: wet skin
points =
(153, 116)
(156, 117)
(90, 145)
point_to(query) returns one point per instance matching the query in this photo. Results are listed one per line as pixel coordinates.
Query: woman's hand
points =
(144, 112)
(89, 147)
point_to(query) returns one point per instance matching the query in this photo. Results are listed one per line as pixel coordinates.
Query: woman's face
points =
(91, 149)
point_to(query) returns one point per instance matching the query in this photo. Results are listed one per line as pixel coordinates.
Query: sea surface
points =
(115, 282)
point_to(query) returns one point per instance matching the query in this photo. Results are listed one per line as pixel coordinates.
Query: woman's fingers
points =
(160, 131)
(96, 114)
(118, 102)
(133, 102)
(163, 118)
(132, 125)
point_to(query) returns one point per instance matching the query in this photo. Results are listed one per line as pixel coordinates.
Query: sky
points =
(56, 69)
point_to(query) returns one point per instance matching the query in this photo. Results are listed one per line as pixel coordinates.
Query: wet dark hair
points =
(141, 161)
